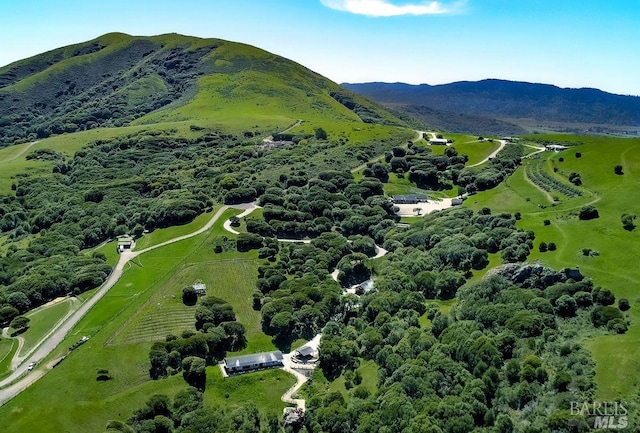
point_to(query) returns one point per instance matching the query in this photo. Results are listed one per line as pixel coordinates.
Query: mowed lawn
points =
(43, 320)
(8, 347)
(615, 266)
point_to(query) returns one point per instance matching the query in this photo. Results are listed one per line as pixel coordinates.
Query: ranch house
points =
(409, 199)
(256, 361)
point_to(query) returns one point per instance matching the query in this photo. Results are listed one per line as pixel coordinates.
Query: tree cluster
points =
(217, 332)
(504, 359)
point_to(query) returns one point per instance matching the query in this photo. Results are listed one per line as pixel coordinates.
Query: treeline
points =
(186, 413)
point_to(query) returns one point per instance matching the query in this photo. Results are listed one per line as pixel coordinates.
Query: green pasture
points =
(8, 348)
(114, 326)
(42, 322)
(164, 312)
(109, 250)
(615, 265)
(475, 150)
(159, 236)
(263, 388)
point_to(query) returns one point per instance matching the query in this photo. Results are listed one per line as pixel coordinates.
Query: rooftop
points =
(254, 358)
(305, 351)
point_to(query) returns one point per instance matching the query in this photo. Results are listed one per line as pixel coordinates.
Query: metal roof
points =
(254, 358)
(410, 197)
(305, 351)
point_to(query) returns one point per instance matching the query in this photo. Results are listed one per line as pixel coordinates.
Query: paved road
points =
(56, 337)
(493, 154)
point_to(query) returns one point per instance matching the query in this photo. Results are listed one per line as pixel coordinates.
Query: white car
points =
(31, 365)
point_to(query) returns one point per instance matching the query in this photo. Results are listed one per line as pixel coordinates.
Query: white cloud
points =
(385, 8)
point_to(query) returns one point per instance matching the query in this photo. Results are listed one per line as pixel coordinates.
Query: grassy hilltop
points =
(121, 80)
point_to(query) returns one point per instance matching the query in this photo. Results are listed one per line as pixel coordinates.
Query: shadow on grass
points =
(18, 332)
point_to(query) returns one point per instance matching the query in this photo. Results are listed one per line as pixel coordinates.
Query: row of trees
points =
(186, 413)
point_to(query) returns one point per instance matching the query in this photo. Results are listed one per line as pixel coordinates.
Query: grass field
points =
(8, 347)
(264, 388)
(445, 307)
(164, 312)
(368, 370)
(614, 267)
(162, 235)
(83, 404)
(42, 321)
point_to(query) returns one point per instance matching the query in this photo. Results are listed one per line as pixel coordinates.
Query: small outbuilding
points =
(125, 242)
(200, 288)
(438, 142)
(305, 354)
(556, 147)
(456, 201)
(256, 361)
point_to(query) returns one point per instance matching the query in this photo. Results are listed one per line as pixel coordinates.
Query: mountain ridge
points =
(504, 99)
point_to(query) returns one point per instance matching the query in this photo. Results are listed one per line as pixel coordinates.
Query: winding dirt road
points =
(493, 154)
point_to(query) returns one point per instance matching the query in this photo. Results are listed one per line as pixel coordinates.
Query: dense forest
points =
(504, 358)
(129, 184)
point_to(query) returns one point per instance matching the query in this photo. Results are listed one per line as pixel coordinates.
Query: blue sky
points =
(569, 43)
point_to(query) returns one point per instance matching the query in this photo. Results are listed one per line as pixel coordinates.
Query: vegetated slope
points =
(116, 79)
(458, 122)
(510, 99)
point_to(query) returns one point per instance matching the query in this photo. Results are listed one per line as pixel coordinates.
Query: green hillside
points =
(602, 248)
(118, 80)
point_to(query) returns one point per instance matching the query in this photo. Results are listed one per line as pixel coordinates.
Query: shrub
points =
(617, 325)
(189, 296)
(103, 375)
(20, 323)
(628, 221)
(575, 179)
(551, 246)
(321, 134)
(543, 247)
(618, 170)
(547, 222)
(588, 213)
(578, 155)
(623, 304)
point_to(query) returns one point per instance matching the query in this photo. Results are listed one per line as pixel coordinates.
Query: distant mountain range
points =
(516, 103)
